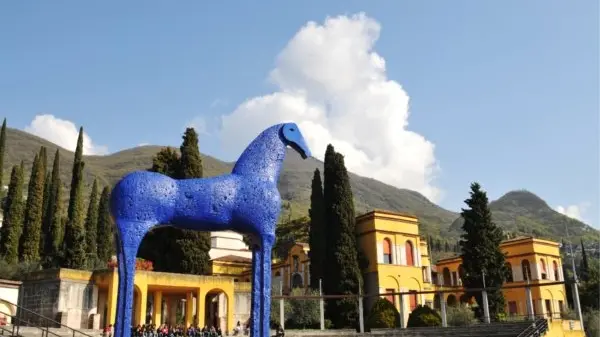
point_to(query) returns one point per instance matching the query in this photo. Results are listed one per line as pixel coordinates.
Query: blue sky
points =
(504, 92)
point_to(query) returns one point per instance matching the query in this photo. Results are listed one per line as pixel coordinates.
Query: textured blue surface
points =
(246, 201)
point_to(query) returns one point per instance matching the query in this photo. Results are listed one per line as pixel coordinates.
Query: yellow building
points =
(85, 299)
(398, 258)
(527, 258)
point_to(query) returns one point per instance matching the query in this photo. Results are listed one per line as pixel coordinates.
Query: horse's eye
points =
(292, 129)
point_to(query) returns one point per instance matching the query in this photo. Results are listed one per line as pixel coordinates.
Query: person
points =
(238, 329)
(279, 332)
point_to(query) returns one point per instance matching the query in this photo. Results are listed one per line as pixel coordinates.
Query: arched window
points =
(555, 269)
(410, 260)
(509, 274)
(544, 270)
(526, 269)
(296, 263)
(447, 277)
(387, 251)
(297, 281)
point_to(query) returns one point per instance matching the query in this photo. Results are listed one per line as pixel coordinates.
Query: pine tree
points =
(584, 268)
(91, 226)
(316, 233)
(74, 240)
(32, 226)
(105, 237)
(54, 230)
(12, 224)
(481, 254)
(344, 275)
(2, 148)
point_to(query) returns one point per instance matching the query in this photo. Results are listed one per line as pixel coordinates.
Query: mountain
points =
(519, 212)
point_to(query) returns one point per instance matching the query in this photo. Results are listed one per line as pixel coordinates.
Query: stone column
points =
(443, 310)
(486, 307)
(157, 310)
(141, 304)
(111, 298)
(529, 303)
(200, 303)
(189, 308)
(401, 311)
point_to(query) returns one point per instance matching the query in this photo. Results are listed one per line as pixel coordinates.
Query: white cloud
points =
(143, 144)
(63, 133)
(574, 211)
(334, 85)
(199, 125)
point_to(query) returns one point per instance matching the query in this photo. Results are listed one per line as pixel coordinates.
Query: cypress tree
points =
(32, 226)
(54, 230)
(12, 224)
(316, 233)
(105, 237)
(46, 203)
(344, 275)
(158, 243)
(91, 226)
(74, 240)
(481, 254)
(194, 245)
(2, 148)
(447, 247)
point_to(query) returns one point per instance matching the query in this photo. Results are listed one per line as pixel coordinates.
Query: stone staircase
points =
(512, 329)
(31, 331)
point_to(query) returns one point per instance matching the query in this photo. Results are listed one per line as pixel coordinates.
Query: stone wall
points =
(71, 303)
(241, 302)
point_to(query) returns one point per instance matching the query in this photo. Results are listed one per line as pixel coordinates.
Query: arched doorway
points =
(216, 309)
(451, 301)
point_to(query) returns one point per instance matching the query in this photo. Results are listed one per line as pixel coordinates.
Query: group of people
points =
(150, 330)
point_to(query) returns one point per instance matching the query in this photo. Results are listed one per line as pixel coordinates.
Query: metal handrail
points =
(44, 318)
(537, 328)
(17, 326)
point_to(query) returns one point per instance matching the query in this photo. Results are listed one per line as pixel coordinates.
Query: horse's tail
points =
(144, 196)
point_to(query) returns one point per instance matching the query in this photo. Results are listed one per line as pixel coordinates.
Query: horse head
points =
(293, 137)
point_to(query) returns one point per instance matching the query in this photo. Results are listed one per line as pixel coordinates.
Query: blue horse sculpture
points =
(245, 201)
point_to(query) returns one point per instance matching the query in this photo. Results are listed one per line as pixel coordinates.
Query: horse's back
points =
(207, 203)
(144, 196)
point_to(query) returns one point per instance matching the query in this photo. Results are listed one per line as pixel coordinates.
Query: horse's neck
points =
(263, 158)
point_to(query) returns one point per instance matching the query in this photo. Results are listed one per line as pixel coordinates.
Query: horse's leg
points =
(255, 306)
(129, 237)
(266, 249)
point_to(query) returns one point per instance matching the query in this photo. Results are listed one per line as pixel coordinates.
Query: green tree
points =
(105, 237)
(383, 315)
(32, 226)
(481, 254)
(2, 148)
(91, 226)
(54, 230)
(46, 203)
(316, 233)
(194, 245)
(344, 275)
(584, 267)
(12, 224)
(166, 161)
(74, 240)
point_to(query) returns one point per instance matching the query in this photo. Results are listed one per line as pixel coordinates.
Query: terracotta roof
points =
(233, 258)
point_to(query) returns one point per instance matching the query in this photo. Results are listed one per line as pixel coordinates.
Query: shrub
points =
(423, 316)
(460, 316)
(383, 315)
(17, 271)
(591, 323)
(298, 313)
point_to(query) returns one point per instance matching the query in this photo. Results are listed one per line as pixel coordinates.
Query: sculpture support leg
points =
(266, 249)
(255, 307)
(129, 237)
